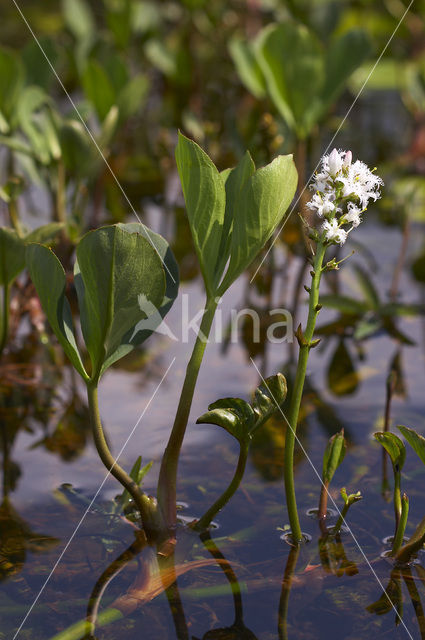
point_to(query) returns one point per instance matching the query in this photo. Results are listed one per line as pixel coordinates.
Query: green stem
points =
(397, 499)
(14, 218)
(167, 482)
(337, 528)
(204, 522)
(5, 317)
(415, 543)
(61, 193)
(398, 538)
(297, 392)
(142, 502)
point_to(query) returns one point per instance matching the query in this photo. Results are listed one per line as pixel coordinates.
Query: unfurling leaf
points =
(333, 456)
(241, 419)
(394, 447)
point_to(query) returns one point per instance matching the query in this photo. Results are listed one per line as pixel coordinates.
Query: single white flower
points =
(333, 233)
(348, 158)
(353, 215)
(322, 205)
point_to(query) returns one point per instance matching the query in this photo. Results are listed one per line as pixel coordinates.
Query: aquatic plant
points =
(343, 190)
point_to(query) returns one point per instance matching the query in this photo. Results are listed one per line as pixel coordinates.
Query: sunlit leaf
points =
(416, 441)
(79, 19)
(394, 447)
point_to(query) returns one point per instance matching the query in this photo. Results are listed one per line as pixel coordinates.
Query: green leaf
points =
(232, 414)
(132, 96)
(12, 78)
(45, 234)
(344, 304)
(369, 291)
(36, 67)
(247, 67)
(333, 456)
(342, 375)
(204, 194)
(49, 279)
(416, 441)
(12, 256)
(292, 61)
(120, 281)
(394, 447)
(79, 19)
(98, 88)
(262, 204)
(344, 55)
(269, 396)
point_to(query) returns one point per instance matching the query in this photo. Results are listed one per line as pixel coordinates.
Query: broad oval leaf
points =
(333, 456)
(46, 233)
(247, 67)
(394, 447)
(232, 414)
(205, 198)
(120, 280)
(416, 441)
(12, 255)
(49, 279)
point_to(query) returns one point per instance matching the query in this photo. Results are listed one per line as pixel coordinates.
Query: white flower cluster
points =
(343, 189)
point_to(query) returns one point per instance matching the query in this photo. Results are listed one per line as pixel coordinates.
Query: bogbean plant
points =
(127, 279)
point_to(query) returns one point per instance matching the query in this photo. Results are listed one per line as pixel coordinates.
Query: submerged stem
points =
(167, 482)
(205, 520)
(143, 503)
(297, 392)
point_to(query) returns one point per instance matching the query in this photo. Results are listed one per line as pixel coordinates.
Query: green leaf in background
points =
(291, 59)
(232, 414)
(12, 255)
(263, 201)
(333, 456)
(79, 156)
(12, 77)
(394, 447)
(117, 275)
(247, 67)
(98, 88)
(132, 96)
(204, 194)
(36, 67)
(342, 376)
(416, 441)
(344, 55)
(49, 279)
(344, 304)
(45, 234)
(79, 19)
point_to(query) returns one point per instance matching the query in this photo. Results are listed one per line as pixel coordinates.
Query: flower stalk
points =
(401, 528)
